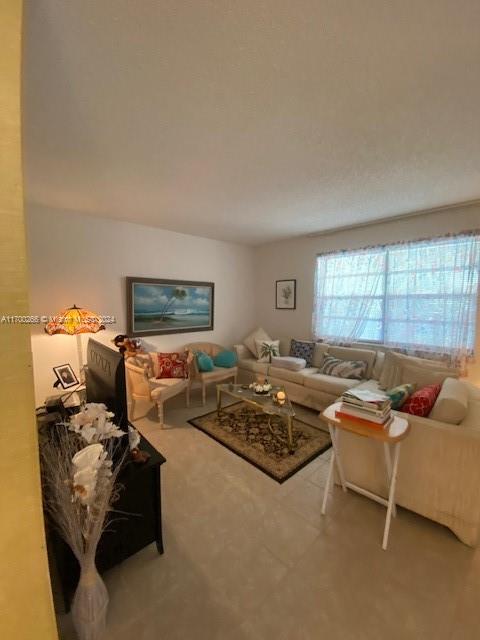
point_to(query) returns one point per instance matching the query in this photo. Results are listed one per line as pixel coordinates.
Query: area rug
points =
(245, 432)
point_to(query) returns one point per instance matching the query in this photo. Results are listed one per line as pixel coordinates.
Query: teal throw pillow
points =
(204, 362)
(225, 359)
(399, 395)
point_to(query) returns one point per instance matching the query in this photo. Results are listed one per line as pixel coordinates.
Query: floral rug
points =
(245, 431)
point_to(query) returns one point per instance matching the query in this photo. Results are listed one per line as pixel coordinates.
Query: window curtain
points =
(418, 297)
(431, 298)
(349, 289)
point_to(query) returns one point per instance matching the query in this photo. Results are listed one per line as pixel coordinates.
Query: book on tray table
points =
(366, 407)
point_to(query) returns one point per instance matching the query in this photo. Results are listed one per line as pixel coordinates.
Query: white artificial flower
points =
(84, 485)
(133, 438)
(88, 456)
(93, 423)
(86, 463)
(88, 433)
(95, 409)
(79, 420)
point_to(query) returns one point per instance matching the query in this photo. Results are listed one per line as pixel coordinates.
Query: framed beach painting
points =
(285, 294)
(156, 307)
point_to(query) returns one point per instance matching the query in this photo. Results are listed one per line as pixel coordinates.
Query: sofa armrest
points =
(463, 432)
(242, 351)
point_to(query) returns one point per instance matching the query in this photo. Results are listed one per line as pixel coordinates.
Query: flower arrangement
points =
(259, 388)
(80, 462)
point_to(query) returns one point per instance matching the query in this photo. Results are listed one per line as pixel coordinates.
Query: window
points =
(417, 295)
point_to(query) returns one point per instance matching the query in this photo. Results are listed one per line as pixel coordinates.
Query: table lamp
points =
(74, 321)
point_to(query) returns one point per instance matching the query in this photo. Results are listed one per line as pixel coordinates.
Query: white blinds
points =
(417, 296)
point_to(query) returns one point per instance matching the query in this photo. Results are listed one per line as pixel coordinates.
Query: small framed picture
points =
(285, 294)
(66, 376)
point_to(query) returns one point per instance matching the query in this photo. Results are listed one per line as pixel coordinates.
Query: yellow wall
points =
(26, 611)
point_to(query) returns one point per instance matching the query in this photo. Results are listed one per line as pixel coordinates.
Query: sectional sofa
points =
(439, 473)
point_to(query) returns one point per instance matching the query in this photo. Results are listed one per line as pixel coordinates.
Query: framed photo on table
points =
(65, 376)
(285, 294)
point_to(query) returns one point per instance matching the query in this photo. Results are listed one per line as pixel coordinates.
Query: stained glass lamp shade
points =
(74, 321)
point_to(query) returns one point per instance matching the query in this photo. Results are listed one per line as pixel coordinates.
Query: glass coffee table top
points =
(263, 402)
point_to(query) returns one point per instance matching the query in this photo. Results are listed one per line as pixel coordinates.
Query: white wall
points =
(296, 259)
(83, 260)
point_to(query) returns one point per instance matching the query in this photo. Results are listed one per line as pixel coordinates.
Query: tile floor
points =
(249, 559)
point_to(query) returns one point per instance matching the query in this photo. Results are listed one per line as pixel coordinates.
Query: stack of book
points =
(366, 407)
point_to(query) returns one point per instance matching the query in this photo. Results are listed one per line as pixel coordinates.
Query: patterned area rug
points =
(245, 432)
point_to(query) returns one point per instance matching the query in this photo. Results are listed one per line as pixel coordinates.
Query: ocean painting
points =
(169, 306)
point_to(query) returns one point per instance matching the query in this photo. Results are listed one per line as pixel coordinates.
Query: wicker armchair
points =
(141, 386)
(207, 377)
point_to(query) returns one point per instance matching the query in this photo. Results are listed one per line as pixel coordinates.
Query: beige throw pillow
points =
(451, 405)
(354, 353)
(273, 343)
(258, 334)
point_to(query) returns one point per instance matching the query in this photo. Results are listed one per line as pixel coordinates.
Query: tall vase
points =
(90, 603)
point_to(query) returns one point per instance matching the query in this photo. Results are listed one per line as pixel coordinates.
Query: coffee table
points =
(263, 402)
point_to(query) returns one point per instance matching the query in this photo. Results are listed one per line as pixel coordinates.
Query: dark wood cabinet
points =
(137, 523)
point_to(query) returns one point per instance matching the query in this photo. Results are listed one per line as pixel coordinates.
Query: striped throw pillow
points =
(353, 369)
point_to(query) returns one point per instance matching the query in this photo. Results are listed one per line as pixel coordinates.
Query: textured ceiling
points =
(251, 120)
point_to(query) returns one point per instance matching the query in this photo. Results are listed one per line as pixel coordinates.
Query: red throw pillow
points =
(421, 402)
(172, 365)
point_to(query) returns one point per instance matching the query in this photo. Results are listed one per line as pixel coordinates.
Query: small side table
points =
(391, 436)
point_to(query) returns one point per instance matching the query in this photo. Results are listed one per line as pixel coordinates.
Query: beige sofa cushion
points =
(329, 384)
(285, 346)
(472, 419)
(423, 376)
(319, 353)
(257, 334)
(395, 362)
(242, 351)
(292, 376)
(253, 365)
(349, 353)
(451, 405)
(378, 366)
(289, 362)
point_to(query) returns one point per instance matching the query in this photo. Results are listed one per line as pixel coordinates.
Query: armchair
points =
(141, 386)
(207, 377)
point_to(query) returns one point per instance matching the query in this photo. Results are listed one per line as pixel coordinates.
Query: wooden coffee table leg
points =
(219, 400)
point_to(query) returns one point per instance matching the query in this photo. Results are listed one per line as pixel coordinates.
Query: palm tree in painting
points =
(177, 294)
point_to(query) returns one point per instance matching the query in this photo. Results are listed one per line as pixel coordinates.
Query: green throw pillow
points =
(204, 362)
(399, 395)
(225, 359)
